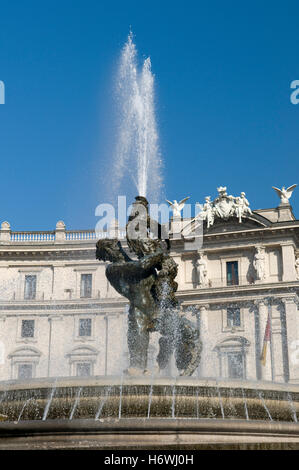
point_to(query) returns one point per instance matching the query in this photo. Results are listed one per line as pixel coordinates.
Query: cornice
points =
(60, 305)
(239, 293)
(251, 301)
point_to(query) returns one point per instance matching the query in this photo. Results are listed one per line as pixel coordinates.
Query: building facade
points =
(60, 317)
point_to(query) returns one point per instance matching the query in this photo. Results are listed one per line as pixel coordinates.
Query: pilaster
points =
(288, 262)
(56, 359)
(265, 371)
(204, 336)
(291, 340)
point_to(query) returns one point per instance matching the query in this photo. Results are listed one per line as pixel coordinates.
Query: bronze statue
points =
(148, 282)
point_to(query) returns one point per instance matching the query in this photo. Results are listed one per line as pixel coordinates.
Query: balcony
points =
(237, 281)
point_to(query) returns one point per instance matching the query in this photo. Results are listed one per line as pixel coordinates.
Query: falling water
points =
(3, 396)
(32, 399)
(293, 410)
(197, 403)
(173, 399)
(150, 396)
(265, 406)
(98, 413)
(150, 401)
(46, 411)
(120, 396)
(220, 402)
(137, 151)
(76, 403)
(245, 405)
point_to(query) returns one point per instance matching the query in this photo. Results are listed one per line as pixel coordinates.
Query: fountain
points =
(143, 408)
(137, 159)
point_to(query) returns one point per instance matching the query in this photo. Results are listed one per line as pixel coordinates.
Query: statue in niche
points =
(201, 268)
(297, 267)
(148, 282)
(259, 263)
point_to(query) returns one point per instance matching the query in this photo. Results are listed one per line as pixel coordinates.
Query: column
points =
(291, 338)
(265, 370)
(204, 336)
(288, 262)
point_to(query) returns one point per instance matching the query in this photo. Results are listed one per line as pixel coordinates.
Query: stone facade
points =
(60, 317)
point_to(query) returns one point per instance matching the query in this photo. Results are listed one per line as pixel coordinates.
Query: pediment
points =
(83, 351)
(233, 225)
(233, 341)
(225, 213)
(23, 351)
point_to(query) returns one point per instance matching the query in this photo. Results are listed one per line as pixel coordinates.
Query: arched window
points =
(24, 361)
(232, 357)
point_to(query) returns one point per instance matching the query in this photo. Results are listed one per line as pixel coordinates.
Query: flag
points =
(267, 339)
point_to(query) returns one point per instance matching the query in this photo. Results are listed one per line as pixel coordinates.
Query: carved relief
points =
(224, 206)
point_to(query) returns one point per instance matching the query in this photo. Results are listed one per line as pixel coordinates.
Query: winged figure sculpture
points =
(177, 207)
(285, 194)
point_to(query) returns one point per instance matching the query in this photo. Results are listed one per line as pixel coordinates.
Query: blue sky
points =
(223, 72)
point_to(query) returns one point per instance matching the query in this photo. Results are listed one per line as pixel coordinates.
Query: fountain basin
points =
(71, 398)
(148, 413)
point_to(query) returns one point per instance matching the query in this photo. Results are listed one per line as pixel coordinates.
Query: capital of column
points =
(112, 316)
(267, 300)
(289, 300)
(259, 302)
(288, 243)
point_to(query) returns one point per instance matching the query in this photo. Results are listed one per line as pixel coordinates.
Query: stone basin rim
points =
(106, 381)
(140, 425)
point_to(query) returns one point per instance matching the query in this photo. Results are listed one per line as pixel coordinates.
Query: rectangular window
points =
(83, 369)
(85, 327)
(25, 371)
(86, 284)
(232, 275)
(233, 317)
(235, 365)
(30, 287)
(27, 330)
